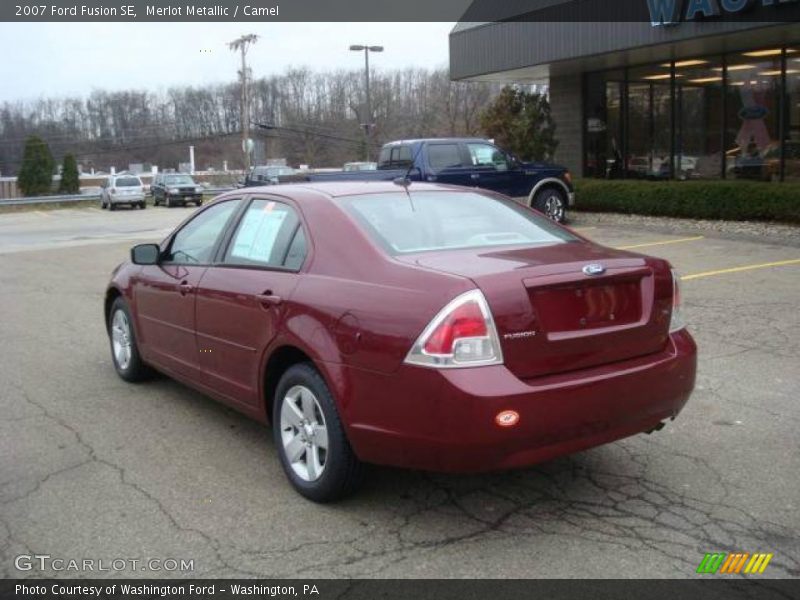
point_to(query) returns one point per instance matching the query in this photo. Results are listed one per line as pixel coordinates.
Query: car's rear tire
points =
(112, 206)
(124, 349)
(142, 205)
(551, 202)
(311, 442)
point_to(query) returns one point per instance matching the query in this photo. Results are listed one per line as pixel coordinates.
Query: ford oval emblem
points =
(753, 113)
(594, 270)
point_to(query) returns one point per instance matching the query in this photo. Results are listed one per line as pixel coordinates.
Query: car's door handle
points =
(475, 176)
(185, 288)
(269, 299)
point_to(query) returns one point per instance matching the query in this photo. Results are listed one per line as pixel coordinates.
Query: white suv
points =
(122, 189)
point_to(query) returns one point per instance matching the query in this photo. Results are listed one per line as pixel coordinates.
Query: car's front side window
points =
(265, 237)
(195, 243)
(485, 155)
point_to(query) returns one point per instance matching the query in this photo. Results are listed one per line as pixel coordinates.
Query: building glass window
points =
(791, 123)
(697, 118)
(753, 115)
(698, 127)
(649, 122)
(604, 155)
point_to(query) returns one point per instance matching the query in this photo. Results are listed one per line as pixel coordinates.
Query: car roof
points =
(338, 189)
(453, 140)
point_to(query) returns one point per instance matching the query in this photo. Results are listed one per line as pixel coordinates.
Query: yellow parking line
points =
(664, 243)
(583, 228)
(781, 263)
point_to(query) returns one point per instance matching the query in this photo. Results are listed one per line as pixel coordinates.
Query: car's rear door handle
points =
(475, 176)
(185, 288)
(269, 299)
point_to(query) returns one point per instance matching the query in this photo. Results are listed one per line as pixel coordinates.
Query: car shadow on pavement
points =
(630, 495)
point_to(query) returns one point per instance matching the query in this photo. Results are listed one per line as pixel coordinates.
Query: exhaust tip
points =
(658, 427)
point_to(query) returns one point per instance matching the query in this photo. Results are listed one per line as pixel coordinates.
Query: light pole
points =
(367, 125)
(242, 44)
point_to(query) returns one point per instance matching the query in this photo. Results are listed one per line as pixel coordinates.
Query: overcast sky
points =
(58, 59)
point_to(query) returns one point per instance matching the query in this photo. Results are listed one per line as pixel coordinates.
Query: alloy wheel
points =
(121, 339)
(304, 434)
(554, 207)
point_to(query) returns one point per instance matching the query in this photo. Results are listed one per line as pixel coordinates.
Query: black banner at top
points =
(656, 12)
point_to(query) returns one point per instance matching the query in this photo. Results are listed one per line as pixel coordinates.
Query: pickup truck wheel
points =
(552, 203)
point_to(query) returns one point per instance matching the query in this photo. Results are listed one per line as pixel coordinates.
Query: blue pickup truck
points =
(468, 162)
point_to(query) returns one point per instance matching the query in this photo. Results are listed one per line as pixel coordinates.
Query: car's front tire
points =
(312, 445)
(552, 203)
(124, 350)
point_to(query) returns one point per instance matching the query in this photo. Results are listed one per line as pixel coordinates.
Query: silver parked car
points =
(122, 190)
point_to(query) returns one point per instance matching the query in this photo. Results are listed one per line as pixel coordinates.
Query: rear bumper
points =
(445, 420)
(571, 199)
(127, 199)
(185, 197)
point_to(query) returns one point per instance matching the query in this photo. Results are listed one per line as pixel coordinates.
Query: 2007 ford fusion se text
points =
(414, 325)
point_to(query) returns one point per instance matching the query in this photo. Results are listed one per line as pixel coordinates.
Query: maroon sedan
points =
(420, 326)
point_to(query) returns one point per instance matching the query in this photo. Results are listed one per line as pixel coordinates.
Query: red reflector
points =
(507, 418)
(466, 321)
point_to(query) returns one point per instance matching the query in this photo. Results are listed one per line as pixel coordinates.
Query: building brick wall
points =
(566, 105)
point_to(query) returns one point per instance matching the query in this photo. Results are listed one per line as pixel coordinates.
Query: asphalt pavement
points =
(94, 468)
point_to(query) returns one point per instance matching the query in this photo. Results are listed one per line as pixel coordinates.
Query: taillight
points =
(568, 177)
(461, 335)
(676, 322)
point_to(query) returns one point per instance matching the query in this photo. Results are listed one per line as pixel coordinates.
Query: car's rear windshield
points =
(179, 180)
(433, 221)
(128, 182)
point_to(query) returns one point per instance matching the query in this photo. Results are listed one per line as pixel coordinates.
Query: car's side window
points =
(296, 254)
(444, 156)
(485, 155)
(265, 237)
(195, 242)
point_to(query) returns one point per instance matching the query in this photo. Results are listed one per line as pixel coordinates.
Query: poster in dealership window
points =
(258, 232)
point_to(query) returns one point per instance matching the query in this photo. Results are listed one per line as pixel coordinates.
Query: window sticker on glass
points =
(257, 233)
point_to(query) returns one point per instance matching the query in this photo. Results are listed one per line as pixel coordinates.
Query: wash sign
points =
(672, 12)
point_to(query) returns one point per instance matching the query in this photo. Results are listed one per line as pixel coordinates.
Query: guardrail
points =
(80, 198)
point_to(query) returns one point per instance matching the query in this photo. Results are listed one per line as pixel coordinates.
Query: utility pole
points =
(242, 44)
(367, 124)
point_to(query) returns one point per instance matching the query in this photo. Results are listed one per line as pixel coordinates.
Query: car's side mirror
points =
(145, 254)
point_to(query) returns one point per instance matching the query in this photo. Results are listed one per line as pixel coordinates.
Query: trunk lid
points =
(553, 317)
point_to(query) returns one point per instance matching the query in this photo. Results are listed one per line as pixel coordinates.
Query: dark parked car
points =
(429, 327)
(175, 189)
(471, 163)
(266, 175)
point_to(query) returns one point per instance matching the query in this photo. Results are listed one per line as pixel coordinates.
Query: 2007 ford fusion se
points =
(415, 325)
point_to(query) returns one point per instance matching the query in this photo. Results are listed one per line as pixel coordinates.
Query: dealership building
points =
(694, 89)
